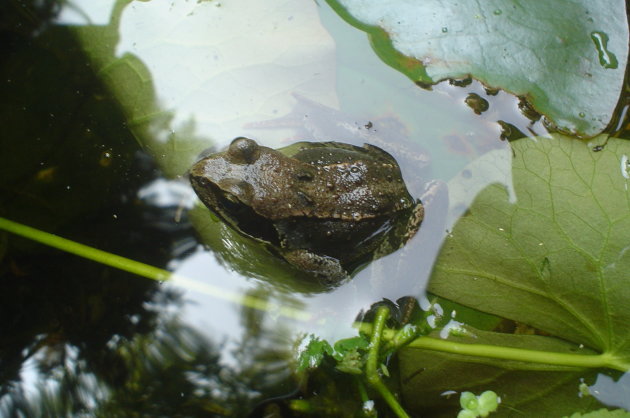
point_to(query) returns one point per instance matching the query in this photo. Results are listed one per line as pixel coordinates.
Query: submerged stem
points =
(603, 360)
(373, 360)
(606, 360)
(146, 270)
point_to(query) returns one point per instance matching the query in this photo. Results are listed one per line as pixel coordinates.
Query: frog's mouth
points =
(244, 219)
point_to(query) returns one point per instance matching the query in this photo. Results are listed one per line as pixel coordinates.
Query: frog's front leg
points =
(329, 269)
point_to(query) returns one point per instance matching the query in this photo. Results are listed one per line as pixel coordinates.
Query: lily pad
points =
(556, 255)
(567, 57)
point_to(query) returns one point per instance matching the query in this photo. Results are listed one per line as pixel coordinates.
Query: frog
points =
(325, 208)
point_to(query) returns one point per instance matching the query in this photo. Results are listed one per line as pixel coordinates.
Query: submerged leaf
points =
(603, 413)
(189, 75)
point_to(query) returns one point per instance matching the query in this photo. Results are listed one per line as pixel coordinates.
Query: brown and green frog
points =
(324, 207)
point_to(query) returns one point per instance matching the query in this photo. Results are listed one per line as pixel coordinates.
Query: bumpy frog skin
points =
(326, 208)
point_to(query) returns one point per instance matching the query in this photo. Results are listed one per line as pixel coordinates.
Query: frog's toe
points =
(327, 268)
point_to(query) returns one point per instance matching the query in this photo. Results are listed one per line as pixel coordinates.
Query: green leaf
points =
(556, 257)
(567, 57)
(352, 363)
(468, 400)
(311, 353)
(342, 347)
(346, 352)
(526, 388)
(488, 402)
(603, 413)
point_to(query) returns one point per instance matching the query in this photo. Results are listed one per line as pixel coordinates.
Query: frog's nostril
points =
(244, 150)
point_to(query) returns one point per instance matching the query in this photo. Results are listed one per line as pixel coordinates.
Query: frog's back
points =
(352, 182)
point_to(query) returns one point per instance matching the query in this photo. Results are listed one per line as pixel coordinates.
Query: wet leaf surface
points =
(568, 58)
(556, 257)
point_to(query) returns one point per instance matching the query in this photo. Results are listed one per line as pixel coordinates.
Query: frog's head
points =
(230, 183)
(226, 173)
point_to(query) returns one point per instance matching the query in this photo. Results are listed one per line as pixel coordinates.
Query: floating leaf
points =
(556, 258)
(567, 57)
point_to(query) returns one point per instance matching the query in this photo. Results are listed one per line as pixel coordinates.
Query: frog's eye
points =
(244, 150)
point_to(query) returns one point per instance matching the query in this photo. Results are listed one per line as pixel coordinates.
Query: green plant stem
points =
(604, 360)
(519, 354)
(373, 360)
(401, 338)
(145, 270)
(363, 394)
(301, 405)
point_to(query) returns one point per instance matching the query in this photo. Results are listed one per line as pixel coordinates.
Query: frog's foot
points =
(328, 269)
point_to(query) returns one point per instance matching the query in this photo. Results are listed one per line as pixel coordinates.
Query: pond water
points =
(107, 107)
